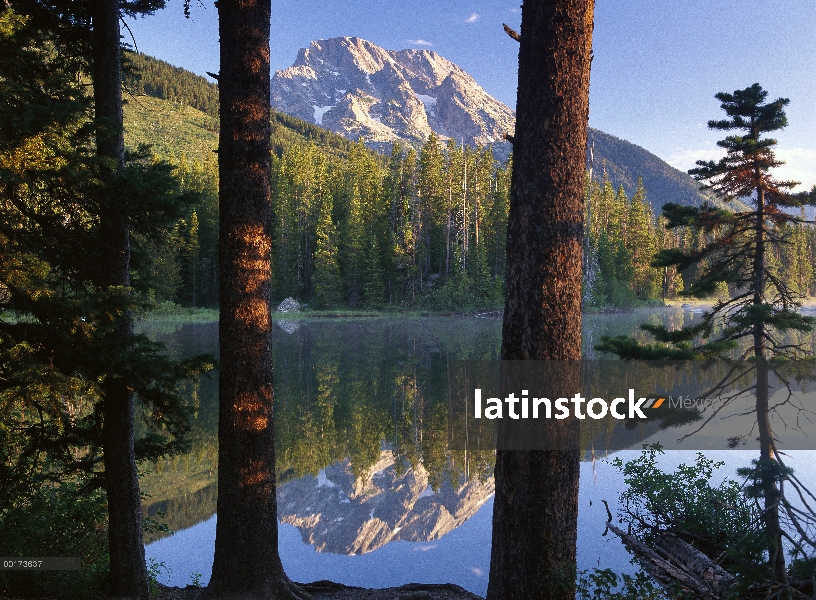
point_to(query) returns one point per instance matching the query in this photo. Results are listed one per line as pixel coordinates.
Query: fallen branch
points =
(674, 562)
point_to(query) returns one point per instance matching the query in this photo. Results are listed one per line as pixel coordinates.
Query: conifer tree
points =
(193, 258)
(535, 511)
(430, 203)
(66, 223)
(328, 291)
(128, 571)
(399, 193)
(394, 206)
(284, 227)
(246, 562)
(94, 29)
(199, 274)
(795, 255)
(355, 251)
(735, 248)
(408, 232)
(373, 285)
(497, 221)
(642, 243)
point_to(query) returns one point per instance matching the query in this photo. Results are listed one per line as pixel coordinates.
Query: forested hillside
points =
(148, 76)
(174, 112)
(422, 229)
(624, 162)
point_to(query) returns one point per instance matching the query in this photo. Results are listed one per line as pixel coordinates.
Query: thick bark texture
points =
(535, 524)
(536, 506)
(246, 562)
(128, 575)
(545, 227)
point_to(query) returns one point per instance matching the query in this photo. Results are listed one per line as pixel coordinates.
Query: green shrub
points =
(722, 521)
(56, 521)
(605, 584)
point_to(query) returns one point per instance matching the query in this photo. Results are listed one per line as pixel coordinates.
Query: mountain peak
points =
(358, 89)
(337, 52)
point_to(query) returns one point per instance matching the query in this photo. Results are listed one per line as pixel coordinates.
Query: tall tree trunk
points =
(771, 491)
(128, 575)
(535, 511)
(246, 563)
(767, 452)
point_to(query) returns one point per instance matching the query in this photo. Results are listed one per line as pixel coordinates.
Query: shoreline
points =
(329, 590)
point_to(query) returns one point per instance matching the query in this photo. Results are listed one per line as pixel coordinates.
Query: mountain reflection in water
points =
(337, 513)
(364, 400)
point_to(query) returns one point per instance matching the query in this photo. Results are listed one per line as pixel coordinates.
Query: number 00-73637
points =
(25, 563)
(22, 564)
(40, 563)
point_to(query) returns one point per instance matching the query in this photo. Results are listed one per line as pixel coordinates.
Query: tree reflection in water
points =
(361, 427)
(363, 399)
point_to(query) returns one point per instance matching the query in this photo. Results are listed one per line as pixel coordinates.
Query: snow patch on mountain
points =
(357, 89)
(319, 111)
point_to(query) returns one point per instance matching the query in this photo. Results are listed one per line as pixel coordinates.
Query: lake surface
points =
(368, 493)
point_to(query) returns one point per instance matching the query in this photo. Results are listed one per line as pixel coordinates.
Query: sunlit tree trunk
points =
(246, 562)
(128, 575)
(535, 512)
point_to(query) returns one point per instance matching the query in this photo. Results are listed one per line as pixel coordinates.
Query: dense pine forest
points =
(97, 231)
(421, 229)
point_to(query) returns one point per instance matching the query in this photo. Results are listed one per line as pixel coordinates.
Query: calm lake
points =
(368, 492)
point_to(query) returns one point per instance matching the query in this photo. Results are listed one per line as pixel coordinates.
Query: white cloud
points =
(473, 18)
(419, 42)
(515, 10)
(800, 163)
(686, 158)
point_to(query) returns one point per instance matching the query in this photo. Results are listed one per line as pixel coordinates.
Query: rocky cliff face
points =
(362, 91)
(340, 514)
(357, 89)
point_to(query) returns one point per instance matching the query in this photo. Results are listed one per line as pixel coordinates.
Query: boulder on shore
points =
(289, 305)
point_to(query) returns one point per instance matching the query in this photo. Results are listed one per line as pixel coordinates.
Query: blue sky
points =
(657, 66)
